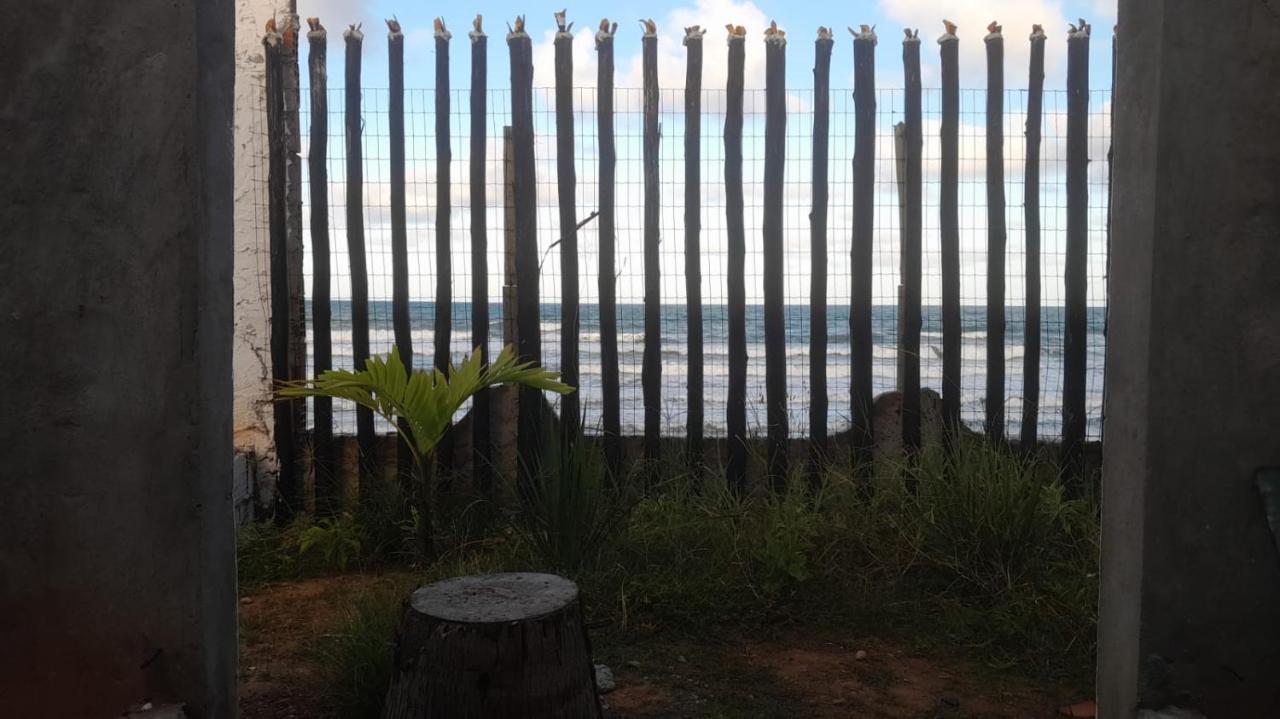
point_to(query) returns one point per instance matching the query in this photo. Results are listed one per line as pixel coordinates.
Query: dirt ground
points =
(789, 672)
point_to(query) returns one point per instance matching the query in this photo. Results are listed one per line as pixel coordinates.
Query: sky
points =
(800, 20)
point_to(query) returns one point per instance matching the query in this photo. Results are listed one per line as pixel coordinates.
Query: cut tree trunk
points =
(498, 645)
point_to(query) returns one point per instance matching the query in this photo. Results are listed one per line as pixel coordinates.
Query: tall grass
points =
(981, 549)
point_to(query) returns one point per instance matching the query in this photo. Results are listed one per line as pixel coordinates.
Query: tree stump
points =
(497, 645)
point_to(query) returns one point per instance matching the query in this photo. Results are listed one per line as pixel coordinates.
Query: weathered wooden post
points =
(949, 226)
(528, 322)
(864, 156)
(818, 255)
(1031, 206)
(775, 326)
(912, 240)
(444, 158)
(996, 234)
(291, 126)
(692, 238)
(1074, 368)
(609, 383)
(498, 645)
(735, 222)
(405, 459)
(482, 459)
(355, 243)
(651, 368)
(288, 484)
(328, 486)
(566, 183)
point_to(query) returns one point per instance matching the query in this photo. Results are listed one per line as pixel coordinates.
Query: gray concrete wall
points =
(117, 565)
(1190, 605)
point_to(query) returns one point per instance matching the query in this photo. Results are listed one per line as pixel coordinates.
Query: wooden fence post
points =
(736, 400)
(355, 243)
(566, 182)
(775, 325)
(818, 255)
(444, 158)
(482, 459)
(1031, 206)
(996, 234)
(328, 485)
(860, 329)
(692, 239)
(949, 226)
(294, 252)
(1074, 358)
(405, 460)
(528, 320)
(912, 239)
(288, 484)
(609, 383)
(651, 369)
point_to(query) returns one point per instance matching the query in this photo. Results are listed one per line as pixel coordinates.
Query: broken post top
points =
(271, 37)
(441, 32)
(317, 31)
(948, 33)
(563, 31)
(693, 33)
(737, 33)
(393, 30)
(772, 35)
(494, 598)
(517, 31)
(825, 34)
(353, 34)
(650, 28)
(1037, 33)
(912, 36)
(994, 33)
(864, 33)
(606, 31)
(477, 28)
(1080, 31)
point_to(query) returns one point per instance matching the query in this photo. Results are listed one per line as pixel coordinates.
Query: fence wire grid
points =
(420, 192)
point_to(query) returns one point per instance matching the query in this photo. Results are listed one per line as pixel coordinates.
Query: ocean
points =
(715, 349)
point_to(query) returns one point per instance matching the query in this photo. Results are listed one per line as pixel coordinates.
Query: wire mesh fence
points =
(421, 205)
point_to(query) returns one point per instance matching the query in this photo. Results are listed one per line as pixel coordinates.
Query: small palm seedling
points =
(422, 403)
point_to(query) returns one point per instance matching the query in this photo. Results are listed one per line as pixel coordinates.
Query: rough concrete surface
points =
(117, 566)
(1190, 604)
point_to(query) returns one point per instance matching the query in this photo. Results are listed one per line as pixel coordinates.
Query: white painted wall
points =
(251, 353)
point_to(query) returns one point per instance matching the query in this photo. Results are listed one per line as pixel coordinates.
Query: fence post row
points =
(996, 235)
(651, 368)
(288, 482)
(566, 184)
(529, 432)
(527, 312)
(1074, 367)
(735, 223)
(818, 254)
(775, 324)
(328, 484)
(860, 329)
(481, 440)
(1031, 205)
(399, 232)
(609, 381)
(692, 239)
(912, 239)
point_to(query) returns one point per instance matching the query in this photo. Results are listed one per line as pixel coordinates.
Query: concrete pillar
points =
(117, 557)
(1190, 604)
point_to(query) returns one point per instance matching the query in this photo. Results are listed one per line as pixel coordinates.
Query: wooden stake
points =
(818, 253)
(912, 240)
(996, 234)
(651, 369)
(736, 399)
(860, 335)
(1074, 357)
(949, 225)
(609, 381)
(482, 461)
(692, 238)
(566, 182)
(775, 327)
(405, 459)
(1031, 207)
